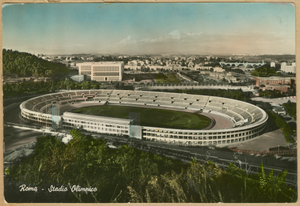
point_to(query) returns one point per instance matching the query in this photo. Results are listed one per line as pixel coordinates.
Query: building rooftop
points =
(274, 78)
(278, 109)
(99, 63)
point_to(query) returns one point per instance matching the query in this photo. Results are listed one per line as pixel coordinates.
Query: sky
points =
(150, 28)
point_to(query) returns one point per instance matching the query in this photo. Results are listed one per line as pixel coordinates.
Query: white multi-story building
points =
(288, 68)
(201, 67)
(272, 64)
(218, 69)
(133, 63)
(102, 71)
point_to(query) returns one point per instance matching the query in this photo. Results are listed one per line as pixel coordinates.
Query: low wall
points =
(196, 86)
(253, 152)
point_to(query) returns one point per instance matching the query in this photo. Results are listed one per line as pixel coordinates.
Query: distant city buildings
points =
(90, 58)
(218, 69)
(274, 80)
(227, 76)
(222, 63)
(102, 71)
(69, 58)
(288, 68)
(201, 67)
(191, 64)
(211, 67)
(281, 88)
(275, 83)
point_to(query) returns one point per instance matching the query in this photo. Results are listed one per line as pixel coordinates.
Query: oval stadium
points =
(187, 119)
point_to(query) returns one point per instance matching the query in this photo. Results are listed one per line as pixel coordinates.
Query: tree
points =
(49, 73)
(264, 71)
(25, 64)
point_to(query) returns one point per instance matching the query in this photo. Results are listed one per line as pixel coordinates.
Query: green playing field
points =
(150, 116)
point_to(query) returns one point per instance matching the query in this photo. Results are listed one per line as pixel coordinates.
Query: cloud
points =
(123, 41)
(151, 40)
(175, 34)
(194, 34)
(172, 36)
(126, 41)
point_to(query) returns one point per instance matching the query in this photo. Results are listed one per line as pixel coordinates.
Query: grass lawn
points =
(150, 117)
(167, 78)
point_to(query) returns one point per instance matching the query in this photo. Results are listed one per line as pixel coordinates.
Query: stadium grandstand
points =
(246, 120)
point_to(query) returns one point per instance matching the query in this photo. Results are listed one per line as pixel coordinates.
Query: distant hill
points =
(279, 57)
(26, 65)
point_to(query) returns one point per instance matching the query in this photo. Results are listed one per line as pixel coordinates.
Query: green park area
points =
(287, 130)
(264, 71)
(291, 109)
(167, 78)
(150, 116)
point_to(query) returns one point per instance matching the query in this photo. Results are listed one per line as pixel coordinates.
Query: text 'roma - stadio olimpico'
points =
(246, 120)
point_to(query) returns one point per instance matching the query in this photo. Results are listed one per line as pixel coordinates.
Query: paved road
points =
(275, 101)
(264, 142)
(14, 138)
(279, 163)
(11, 100)
(223, 158)
(270, 161)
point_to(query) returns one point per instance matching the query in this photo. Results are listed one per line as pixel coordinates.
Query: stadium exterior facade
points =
(248, 121)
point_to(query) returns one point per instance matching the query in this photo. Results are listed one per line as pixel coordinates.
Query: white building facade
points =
(288, 68)
(98, 124)
(102, 71)
(218, 69)
(272, 64)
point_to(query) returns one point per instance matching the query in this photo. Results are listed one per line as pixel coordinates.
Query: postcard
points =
(149, 102)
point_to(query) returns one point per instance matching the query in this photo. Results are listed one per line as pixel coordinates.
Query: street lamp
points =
(207, 156)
